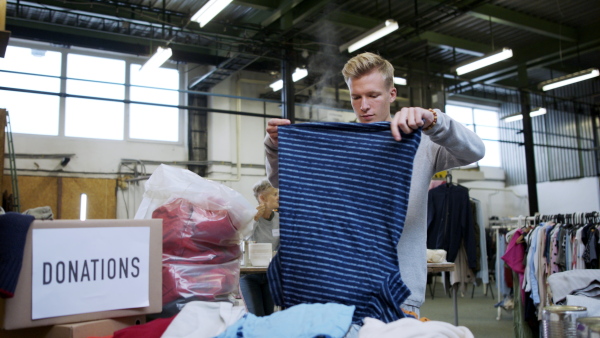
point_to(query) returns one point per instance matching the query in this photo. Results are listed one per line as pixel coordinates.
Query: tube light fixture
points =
(518, 116)
(83, 207)
(209, 11)
(569, 79)
(374, 34)
(400, 81)
(484, 61)
(161, 55)
(537, 112)
(299, 74)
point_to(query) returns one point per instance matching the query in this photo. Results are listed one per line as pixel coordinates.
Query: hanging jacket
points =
(450, 222)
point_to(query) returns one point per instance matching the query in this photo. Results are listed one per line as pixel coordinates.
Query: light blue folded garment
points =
(300, 321)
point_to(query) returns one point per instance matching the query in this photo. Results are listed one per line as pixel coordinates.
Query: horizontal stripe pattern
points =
(343, 191)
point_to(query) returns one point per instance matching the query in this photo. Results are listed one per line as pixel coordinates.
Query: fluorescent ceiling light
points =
(374, 34)
(484, 61)
(400, 81)
(569, 79)
(299, 74)
(161, 55)
(209, 11)
(538, 112)
(518, 116)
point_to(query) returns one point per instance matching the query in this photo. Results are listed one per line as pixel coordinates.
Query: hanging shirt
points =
(343, 200)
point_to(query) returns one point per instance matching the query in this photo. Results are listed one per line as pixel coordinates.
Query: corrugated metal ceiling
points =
(549, 38)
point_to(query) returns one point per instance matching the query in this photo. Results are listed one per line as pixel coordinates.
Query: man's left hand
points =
(409, 119)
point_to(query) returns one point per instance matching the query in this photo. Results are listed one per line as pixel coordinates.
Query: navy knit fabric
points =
(13, 236)
(343, 191)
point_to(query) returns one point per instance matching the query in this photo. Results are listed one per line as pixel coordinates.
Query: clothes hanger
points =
(448, 179)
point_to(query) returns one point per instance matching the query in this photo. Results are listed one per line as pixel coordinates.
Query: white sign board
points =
(82, 270)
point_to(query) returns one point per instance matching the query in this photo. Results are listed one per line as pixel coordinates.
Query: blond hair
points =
(261, 187)
(366, 62)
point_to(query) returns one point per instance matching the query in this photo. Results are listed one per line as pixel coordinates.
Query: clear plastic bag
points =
(213, 282)
(203, 225)
(167, 183)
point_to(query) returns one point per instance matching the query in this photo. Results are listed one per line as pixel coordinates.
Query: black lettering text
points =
(94, 261)
(47, 279)
(135, 260)
(60, 272)
(123, 267)
(85, 271)
(73, 269)
(111, 271)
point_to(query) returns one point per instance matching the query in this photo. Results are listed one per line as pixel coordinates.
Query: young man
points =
(255, 286)
(445, 144)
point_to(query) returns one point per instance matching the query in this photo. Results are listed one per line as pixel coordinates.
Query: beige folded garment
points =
(436, 256)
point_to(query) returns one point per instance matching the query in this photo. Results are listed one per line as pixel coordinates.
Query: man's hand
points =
(409, 119)
(272, 129)
(261, 210)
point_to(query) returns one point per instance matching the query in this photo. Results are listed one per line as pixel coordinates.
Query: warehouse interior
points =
(72, 131)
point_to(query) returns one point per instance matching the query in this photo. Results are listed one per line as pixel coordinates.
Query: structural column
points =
(528, 140)
(287, 92)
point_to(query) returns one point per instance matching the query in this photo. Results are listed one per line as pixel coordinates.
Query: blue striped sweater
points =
(343, 199)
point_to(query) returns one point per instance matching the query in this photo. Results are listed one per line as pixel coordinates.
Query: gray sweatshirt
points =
(267, 231)
(447, 145)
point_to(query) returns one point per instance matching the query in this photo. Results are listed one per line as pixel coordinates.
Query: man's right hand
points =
(272, 129)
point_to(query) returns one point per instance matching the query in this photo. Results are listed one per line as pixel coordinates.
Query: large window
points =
(484, 122)
(150, 122)
(93, 101)
(31, 112)
(95, 77)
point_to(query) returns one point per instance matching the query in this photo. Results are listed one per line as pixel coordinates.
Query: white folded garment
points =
(436, 256)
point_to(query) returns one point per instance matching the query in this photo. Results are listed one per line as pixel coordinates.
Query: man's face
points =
(371, 98)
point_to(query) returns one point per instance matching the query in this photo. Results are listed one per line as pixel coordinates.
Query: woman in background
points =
(255, 286)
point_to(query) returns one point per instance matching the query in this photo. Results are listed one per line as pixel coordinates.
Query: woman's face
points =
(271, 198)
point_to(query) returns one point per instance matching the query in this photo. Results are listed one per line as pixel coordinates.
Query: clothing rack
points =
(511, 223)
(504, 224)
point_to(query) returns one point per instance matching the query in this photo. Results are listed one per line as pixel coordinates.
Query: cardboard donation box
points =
(76, 271)
(95, 328)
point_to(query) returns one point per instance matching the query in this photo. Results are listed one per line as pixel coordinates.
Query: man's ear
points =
(393, 94)
(261, 199)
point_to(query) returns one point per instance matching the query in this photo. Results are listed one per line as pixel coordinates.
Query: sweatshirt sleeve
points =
(272, 161)
(454, 144)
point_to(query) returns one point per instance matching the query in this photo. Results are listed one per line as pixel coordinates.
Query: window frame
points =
(480, 106)
(129, 60)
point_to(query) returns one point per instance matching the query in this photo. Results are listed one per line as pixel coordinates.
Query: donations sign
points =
(82, 270)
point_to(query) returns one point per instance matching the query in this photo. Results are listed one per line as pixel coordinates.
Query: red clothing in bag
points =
(203, 282)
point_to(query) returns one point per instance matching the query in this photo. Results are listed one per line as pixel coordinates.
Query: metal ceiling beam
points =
(91, 37)
(305, 9)
(354, 21)
(280, 12)
(293, 12)
(263, 5)
(119, 9)
(525, 22)
(544, 53)
(58, 14)
(522, 21)
(449, 42)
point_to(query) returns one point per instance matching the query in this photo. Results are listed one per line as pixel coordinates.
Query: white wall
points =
(567, 197)
(563, 197)
(495, 199)
(91, 155)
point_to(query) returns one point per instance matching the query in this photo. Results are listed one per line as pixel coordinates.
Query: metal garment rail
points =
(506, 224)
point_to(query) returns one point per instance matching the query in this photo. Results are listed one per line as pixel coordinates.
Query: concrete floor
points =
(478, 314)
